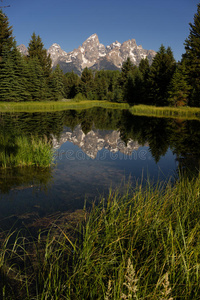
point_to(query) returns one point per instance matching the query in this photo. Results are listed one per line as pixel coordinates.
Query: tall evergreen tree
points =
(71, 83)
(128, 89)
(118, 94)
(127, 68)
(192, 59)
(179, 88)
(12, 81)
(21, 76)
(133, 87)
(36, 49)
(112, 79)
(37, 86)
(87, 83)
(126, 81)
(6, 37)
(56, 84)
(100, 85)
(7, 76)
(13, 84)
(161, 72)
(144, 69)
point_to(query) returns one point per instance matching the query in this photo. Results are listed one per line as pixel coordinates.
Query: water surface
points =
(94, 150)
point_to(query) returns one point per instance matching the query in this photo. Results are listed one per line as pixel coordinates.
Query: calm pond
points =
(94, 149)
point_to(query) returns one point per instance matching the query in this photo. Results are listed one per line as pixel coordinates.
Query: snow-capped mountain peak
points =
(93, 37)
(93, 54)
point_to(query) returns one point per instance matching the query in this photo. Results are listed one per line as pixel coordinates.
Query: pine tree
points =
(192, 59)
(37, 86)
(160, 75)
(21, 73)
(6, 37)
(56, 84)
(125, 81)
(13, 84)
(87, 83)
(118, 94)
(36, 49)
(7, 76)
(100, 85)
(71, 83)
(144, 69)
(127, 68)
(13, 76)
(112, 80)
(128, 89)
(179, 88)
(133, 87)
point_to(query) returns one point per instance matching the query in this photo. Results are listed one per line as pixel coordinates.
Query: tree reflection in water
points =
(181, 136)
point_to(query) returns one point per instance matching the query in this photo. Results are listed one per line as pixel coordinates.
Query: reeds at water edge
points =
(143, 243)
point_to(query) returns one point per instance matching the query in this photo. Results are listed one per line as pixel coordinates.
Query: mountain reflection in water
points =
(94, 150)
(95, 140)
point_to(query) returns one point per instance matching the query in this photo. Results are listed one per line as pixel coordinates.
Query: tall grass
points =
(25, 151)
(140, 110)
(169, 112)
(142, 244)
(58, 105)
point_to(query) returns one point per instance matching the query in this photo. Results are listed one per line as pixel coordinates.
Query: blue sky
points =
(70, 23)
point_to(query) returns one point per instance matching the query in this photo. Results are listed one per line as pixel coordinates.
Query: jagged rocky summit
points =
(93, 54)
(22, 48)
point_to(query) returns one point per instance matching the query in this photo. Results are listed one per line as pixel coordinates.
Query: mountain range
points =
(92, 54)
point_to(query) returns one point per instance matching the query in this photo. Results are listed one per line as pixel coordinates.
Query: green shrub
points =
(79, 97)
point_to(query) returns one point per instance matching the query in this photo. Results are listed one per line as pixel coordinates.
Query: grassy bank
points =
(140, 110)
(57, 105)
(144, 244)
(166, 112)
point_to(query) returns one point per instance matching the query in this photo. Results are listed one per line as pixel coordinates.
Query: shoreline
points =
(139, 110)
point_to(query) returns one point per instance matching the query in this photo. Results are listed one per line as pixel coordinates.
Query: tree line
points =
(164, 82)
